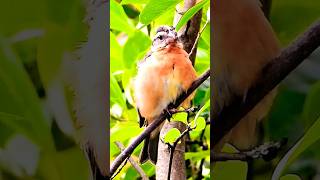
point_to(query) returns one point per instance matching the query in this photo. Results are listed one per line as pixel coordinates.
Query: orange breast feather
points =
(161, 79)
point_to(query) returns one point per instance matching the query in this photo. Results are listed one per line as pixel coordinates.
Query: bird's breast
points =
(157, 83)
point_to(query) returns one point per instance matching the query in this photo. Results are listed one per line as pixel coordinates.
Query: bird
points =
(164, 73)
(243, 43)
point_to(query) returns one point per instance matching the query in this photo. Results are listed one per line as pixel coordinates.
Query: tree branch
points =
(266, 7)
(133, 163)
(173, 147)
(267, 151)
(197, 39)
(127, 152)
(188, 33)
(271, 75)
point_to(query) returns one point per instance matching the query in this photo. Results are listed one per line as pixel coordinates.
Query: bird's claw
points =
(169, 113)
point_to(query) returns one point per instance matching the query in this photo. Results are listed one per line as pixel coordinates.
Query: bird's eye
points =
(161, 37)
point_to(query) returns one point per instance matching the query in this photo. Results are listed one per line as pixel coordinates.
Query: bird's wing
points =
(142, 120)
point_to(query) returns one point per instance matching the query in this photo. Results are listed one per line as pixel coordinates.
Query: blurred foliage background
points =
(296, 110)
(37, 137)
(133, 24)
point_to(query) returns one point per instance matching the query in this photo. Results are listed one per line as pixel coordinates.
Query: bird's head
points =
(165, 35)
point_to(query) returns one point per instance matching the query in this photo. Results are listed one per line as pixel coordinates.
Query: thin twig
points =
(267, 151)
(198, 37)
(230, 156)
(119, 170)
(204, 147)
(133, 163)
(175, 111)
(127, 152)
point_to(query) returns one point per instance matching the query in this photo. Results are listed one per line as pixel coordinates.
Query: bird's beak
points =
(173, 35)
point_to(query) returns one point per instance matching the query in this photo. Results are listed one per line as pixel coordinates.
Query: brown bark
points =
(178, 170)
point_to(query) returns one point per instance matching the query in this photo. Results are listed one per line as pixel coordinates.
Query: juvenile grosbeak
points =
(243, 42)
(164, 74)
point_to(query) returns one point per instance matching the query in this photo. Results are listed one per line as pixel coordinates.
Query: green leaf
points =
(33, 13)
(50, 52)
(155, 8)
(136, 43)
(204, 107)
(311, 109)
(64, 165)
(72, 164)
(134, 1)
(17, 123)
(195, 156)
(131, 115)
(149, 169)
(116, 110)
(230, 169)
(190, 13)
(116, 95)
(202, 60)
(127, 84)
(199, 123)
(290, 177)
(21, 109)
(124, 131)
(310, 137)
(119, 20)
(116, 62)
(171, 136)
(288, 27)
(182, 117)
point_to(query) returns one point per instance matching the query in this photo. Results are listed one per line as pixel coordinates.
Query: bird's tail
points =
(150, 149)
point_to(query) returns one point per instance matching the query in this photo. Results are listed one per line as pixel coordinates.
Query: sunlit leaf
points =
(190, 13)
(195, 156)
(199, 123)
(116, 95)
(155, 8)
(116, 110)
(119, 20)
(134, 1)
(124, 131)
(115, 54)
(136, 43)
(202, 60)
(182, 117)
(171, 136)
(203, 108)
